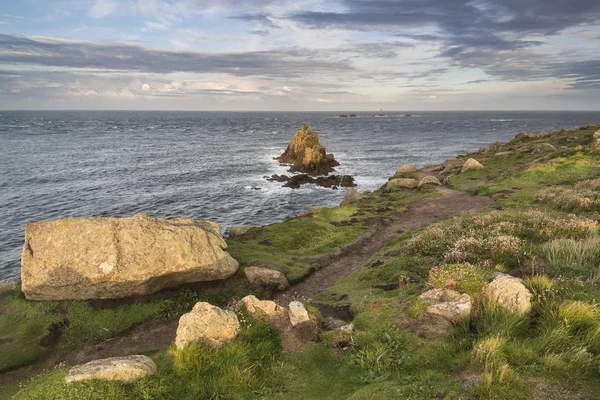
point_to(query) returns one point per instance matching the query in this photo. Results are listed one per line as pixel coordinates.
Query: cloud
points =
(102, 8)
(459, 25)
(51, 52)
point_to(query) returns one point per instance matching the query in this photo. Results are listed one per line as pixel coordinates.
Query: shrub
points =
(568, 199)
(497, 236)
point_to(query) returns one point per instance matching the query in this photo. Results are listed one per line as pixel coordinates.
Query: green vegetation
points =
(544, 230)
(232, 371)
(293, 244)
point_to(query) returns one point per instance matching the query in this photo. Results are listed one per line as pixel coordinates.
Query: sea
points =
(211, 165)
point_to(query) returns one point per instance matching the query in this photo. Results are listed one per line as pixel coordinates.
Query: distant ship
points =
(381, 114)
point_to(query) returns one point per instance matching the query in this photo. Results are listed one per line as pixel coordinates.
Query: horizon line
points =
(302, 111)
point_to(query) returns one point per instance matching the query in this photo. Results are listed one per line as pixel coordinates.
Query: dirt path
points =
(418, 214)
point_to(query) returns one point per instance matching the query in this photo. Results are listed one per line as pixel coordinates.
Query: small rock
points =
(446, 180)
(510, 292)
(332, 324)
(504, 153)
(402, 183)
(448, 304)
(453, 163)
(543, 147)
(237, 231)
(124, 369)
(597, 134)
(266, 277)
(471, 165)
(352, 196)
(406, 169)
(298, 313)
(207, 323)
(429, 180)
(258, 307)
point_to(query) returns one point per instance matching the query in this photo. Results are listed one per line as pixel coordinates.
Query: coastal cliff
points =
(474, 278)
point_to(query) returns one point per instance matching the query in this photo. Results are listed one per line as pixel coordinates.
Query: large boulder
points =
(405, 183)
(306, 154)
(104, 258)
(124, 369)
(406, 169)
(428, 180)
(471, 165)
(352, 196)
(510, 293)
(448, 304)
(266, 277)
(207, 324)
(257, 307)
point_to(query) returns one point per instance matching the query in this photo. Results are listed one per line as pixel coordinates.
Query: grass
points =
(289, 246)
(554, 351)
(573, 258)
(235, 370)
(30, 331)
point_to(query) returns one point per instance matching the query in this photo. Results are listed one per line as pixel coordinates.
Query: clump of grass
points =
(544, 291)
(382, 353)
(570, 324)
(573, 258)
(493, 319)
(498, 376)
(465, 278)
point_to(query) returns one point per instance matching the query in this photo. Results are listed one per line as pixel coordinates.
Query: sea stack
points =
(306, 155)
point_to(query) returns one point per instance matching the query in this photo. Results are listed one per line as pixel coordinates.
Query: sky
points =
(264, 55)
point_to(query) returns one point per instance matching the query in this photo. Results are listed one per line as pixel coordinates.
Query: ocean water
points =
(207, 165)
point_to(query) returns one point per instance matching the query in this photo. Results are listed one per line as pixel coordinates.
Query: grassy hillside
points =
(543, 228)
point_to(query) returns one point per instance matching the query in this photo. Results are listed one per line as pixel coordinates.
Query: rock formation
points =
(406, 169)
(405, 183)
(471, 165)
(298, 313)
(124, 369)
(428, 180)
(306, 155)
(543, 148)
(207, 324)
(352, 196)
(266, 278)
(510, 293)
(105, 258)
(448, 304)
(258, 308)
(331, 181)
